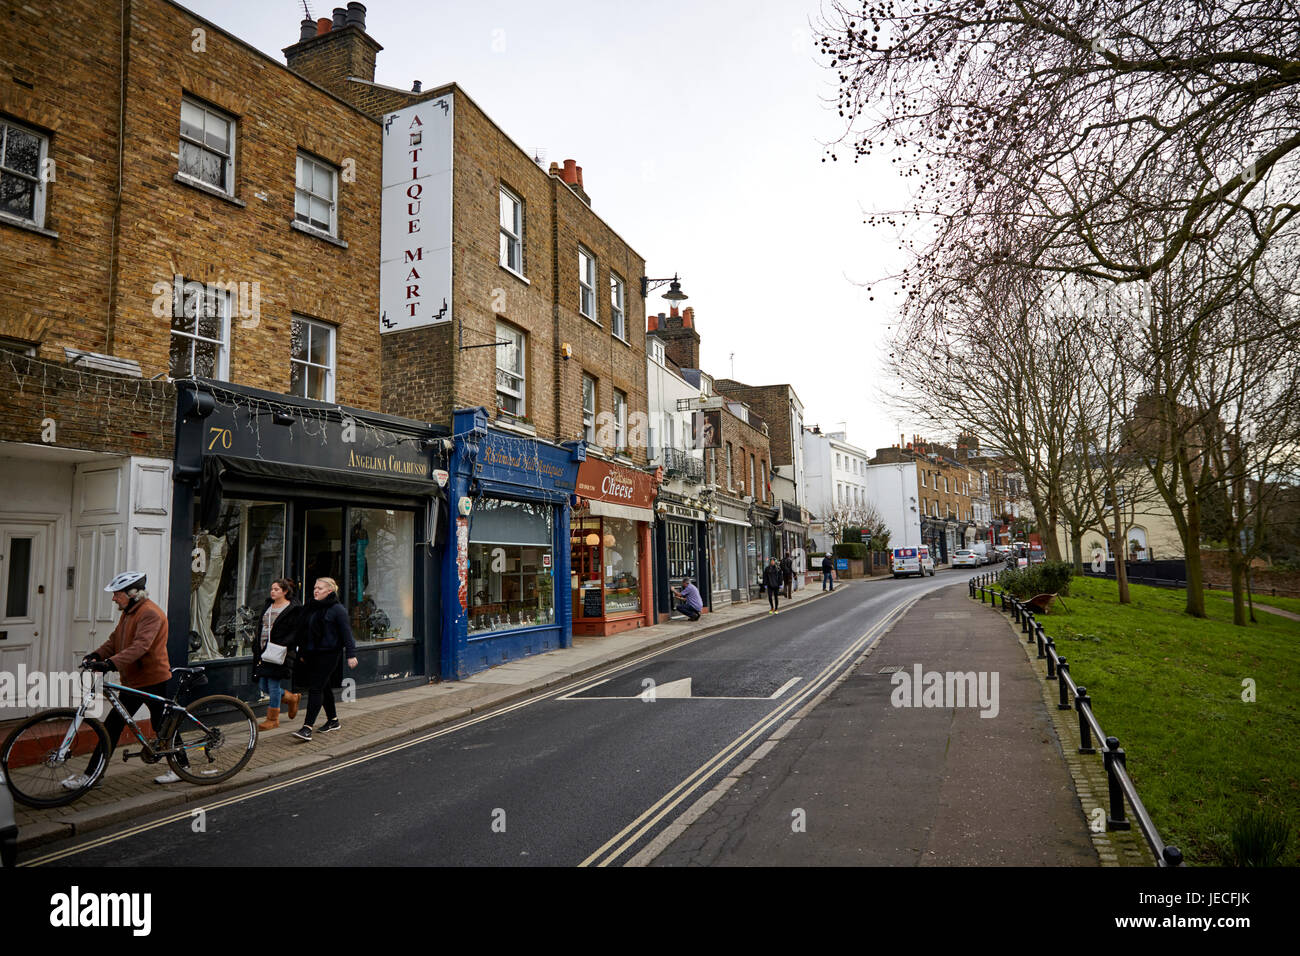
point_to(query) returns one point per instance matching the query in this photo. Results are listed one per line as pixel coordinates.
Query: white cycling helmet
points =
(126, 581)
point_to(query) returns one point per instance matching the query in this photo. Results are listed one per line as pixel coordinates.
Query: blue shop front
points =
(505, 576)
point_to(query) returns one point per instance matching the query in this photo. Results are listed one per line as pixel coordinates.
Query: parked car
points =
(965, 559)
(912, 561)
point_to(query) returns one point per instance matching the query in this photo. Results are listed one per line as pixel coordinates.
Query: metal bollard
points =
(1026, 619)
(1051, 657)
(1042, 649)
(1173, 856)
(1063, 671)
(1114, 755)
(1081, 701)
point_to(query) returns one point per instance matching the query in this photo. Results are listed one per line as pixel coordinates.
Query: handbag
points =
(275, 653)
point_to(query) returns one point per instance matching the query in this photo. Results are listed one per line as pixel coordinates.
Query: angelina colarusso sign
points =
(415, 235)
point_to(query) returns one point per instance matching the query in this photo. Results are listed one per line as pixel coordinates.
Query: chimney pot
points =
(555, 169)
(306, 30)
(653, 324)
(672, 312)
(415, 87)
(579, 171)
(340, 17)
(323, 26)
(356, 15)
(570, 173)
(688, 317)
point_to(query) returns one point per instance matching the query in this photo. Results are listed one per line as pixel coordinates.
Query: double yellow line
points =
(635, 831)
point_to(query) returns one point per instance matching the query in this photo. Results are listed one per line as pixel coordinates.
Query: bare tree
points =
(1040, 132)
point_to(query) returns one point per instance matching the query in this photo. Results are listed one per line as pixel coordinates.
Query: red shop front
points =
(609, 538)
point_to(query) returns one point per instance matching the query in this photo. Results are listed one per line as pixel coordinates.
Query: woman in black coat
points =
(324, 638)
(279, 625)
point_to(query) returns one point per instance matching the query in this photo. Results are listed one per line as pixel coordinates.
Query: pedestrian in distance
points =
(772, 583)
(787, 575)
(828, 573)
(324, 637)
(137, 650)
(279, 628)
(689, 601)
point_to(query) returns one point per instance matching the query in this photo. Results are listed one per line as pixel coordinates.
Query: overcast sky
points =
(699, 128)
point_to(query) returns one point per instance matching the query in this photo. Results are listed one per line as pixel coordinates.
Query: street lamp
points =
(674, 293)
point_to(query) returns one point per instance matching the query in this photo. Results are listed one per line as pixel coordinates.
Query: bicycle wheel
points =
(214, 739)
(33, 770)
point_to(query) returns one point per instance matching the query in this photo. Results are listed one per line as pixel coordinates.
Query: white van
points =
(912, 561)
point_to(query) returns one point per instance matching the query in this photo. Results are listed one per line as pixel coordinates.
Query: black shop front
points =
(269, 486)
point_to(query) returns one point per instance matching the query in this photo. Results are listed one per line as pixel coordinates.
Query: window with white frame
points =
(510, 370)
(730, 484)
(945, 484)
(586, 283)
(512, 231)
(617, 295)
(620, 420)
(200, 334)
(588, 408)
(314, 197)
(207, 151)
(22, 156)
(311, 349)
(923, 479)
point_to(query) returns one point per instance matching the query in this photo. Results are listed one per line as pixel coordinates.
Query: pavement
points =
(867, 777)
(127, 791)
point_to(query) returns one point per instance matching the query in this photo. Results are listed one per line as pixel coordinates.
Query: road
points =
(586, 774)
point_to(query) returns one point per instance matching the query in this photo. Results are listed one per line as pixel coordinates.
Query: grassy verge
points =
(1170, 688)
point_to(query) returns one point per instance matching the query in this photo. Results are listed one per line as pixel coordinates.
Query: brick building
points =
(502, 289)
(946, 490)
(178, 207)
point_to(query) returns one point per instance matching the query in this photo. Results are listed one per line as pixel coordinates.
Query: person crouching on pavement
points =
(772, 583)
(324, 636)
(691, 604)
(137, 650)
(279, 626)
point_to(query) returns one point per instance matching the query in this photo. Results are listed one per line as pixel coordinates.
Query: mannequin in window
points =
(205, 585)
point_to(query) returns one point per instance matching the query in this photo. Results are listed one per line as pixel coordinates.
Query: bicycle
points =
(207, 742)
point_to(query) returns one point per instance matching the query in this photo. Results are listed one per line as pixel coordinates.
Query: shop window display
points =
(231, 570)
(605, 557)
(510, 566)
(381, 592)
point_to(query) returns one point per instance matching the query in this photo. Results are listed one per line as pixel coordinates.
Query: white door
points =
(25, 590)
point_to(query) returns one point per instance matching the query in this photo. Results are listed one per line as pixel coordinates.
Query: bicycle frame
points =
(170, 708)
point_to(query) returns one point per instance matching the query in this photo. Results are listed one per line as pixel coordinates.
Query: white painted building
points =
(892, 489)
(835, 476)
(69, 522)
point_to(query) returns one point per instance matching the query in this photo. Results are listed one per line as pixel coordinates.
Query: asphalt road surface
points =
(585, 774)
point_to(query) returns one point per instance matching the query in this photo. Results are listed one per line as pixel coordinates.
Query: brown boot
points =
(292, 700)
(272, 719)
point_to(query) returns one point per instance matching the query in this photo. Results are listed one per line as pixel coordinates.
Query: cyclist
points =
(137, 649)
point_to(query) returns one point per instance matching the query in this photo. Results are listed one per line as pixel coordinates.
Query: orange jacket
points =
(138, 645)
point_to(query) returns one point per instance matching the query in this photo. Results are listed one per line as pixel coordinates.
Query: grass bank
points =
(1170, 688)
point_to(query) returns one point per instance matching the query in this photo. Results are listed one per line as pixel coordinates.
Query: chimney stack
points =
(332, 50)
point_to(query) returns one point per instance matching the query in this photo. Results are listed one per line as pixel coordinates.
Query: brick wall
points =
(745, 440)
(86, 290)
(772, 403)
(89, 410)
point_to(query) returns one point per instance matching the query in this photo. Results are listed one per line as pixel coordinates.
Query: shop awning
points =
(723, 519)
(313, 475)
(607, 509)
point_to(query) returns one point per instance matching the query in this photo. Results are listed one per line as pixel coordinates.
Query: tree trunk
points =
(1237, 571)
(1076, 548)
(1192, 540)
(1121, 570)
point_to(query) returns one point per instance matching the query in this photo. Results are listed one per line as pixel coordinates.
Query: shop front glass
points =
(381, 586)
(510, 570)
(605, 557)
(231, 570)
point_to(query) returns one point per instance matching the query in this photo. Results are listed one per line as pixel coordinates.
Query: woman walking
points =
(279, 628)
(324, 638)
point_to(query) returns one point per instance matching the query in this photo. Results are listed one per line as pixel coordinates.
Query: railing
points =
(1113, 757)
(674, 461)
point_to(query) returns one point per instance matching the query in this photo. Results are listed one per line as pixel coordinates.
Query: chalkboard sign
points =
(591, 602)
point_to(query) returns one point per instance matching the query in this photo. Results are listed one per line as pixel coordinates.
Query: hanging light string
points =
(49, 380)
